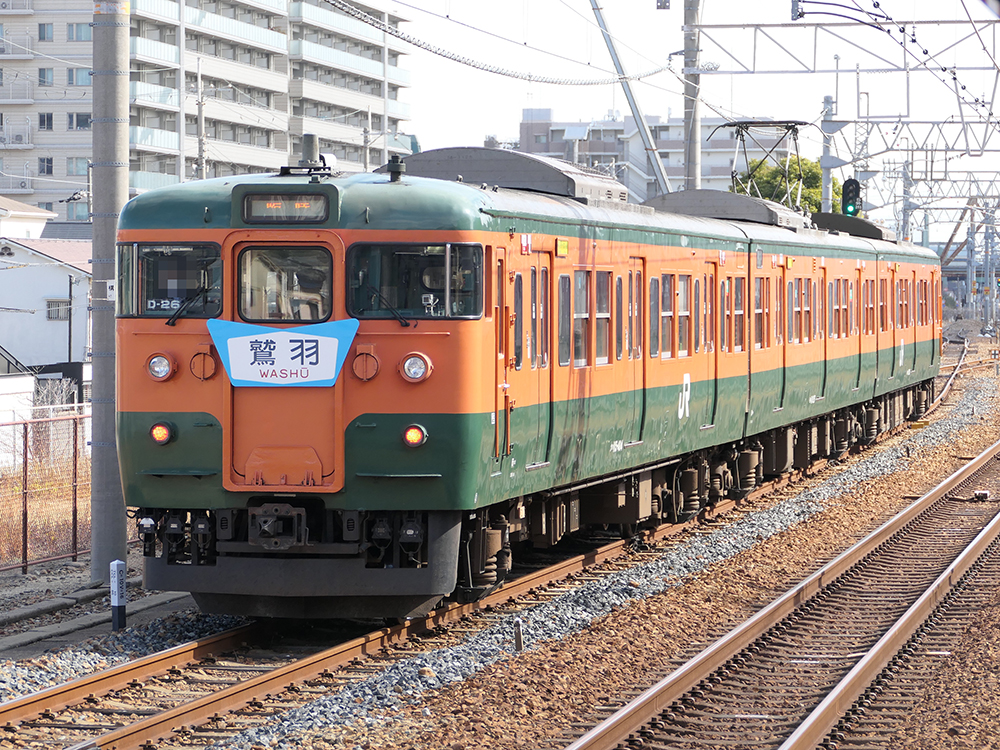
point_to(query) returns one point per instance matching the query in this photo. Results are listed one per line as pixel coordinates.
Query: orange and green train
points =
(355, 394)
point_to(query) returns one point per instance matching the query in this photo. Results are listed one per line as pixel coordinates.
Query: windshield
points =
(285, 283)
(168, 277)
(415, 281)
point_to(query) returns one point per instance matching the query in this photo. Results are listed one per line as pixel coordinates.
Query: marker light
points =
(160, 366)
(414, 435)
(161, 433)
(415, 367)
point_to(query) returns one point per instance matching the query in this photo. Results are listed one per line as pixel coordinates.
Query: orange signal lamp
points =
(161, 433)
(414, 436)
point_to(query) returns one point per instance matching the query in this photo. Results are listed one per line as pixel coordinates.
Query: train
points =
(358, 395)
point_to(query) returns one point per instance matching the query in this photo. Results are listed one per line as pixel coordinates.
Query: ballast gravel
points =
(25, 677)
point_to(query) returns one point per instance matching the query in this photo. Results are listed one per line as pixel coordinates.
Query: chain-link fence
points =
(45, 486)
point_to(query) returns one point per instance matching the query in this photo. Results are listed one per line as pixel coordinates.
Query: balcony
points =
(17, 92)
(164, 9)
(153, 139)
(149, 94)
(10, 7)
(15, 136)
(341, 60)
(16, 47)
(230, 28)
(148, 49)
(328, 19)
(149, 180)
(12, 184)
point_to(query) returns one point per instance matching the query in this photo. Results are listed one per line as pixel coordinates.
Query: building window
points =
(45, 121)
(541, 139)
(77, 211)
(78, 77)
(57, 309)
(45, 32)
(45, 206)
(45, 165)
(79, 121)
(78, 32)
(45, 76)
(76, 166)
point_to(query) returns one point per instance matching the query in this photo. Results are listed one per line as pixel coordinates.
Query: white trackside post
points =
(117, 595)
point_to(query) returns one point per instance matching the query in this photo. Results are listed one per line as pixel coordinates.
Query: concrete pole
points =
(200, 172)
(110, 134)
(692, 89)
(827, 178)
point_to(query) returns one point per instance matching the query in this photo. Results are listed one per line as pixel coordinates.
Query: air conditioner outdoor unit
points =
(18, 139)
(3, 139)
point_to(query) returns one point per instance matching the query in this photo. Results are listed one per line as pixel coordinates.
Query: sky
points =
(453, 104)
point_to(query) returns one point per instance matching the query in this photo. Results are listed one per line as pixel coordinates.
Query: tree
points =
(770, 180)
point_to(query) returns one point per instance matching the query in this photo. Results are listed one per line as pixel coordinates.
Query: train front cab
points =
(245, 502)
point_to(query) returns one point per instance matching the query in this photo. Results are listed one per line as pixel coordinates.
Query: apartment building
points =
(614, 144)
(263, 72)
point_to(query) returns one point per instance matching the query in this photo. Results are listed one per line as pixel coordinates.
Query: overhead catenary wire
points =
(360, 15)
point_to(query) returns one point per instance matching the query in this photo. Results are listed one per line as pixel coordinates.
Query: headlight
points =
(160, 366)
(415, 367)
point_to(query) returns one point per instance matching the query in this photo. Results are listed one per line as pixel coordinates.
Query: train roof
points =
(573, 199)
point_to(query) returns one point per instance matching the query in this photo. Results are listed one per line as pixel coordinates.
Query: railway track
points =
(810, 669)
(210, 689)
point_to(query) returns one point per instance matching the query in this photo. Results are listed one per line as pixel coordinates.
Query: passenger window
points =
(758, 313)
(543, 317)
(169, 277)
(417, 281)
(619, 318)
(667, 316)
(603, 322)
(739, 314)
(697, 317)
(654, 317)
(565, 311)
(533, 332)
(683, 316)
(518, 323)
(581, 318)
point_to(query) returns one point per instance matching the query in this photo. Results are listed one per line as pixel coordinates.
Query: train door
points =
(825, 325)
(708, 311)
(933, 315)
(501, 392)
(782, 333)
(283, 435)
(538, 323)
(635, 394)
(895, 321)
(858, 304)
(912, 309)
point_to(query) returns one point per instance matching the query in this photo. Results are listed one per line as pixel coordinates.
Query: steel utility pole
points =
(662, 183)
(110, 129)
(692, 93)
